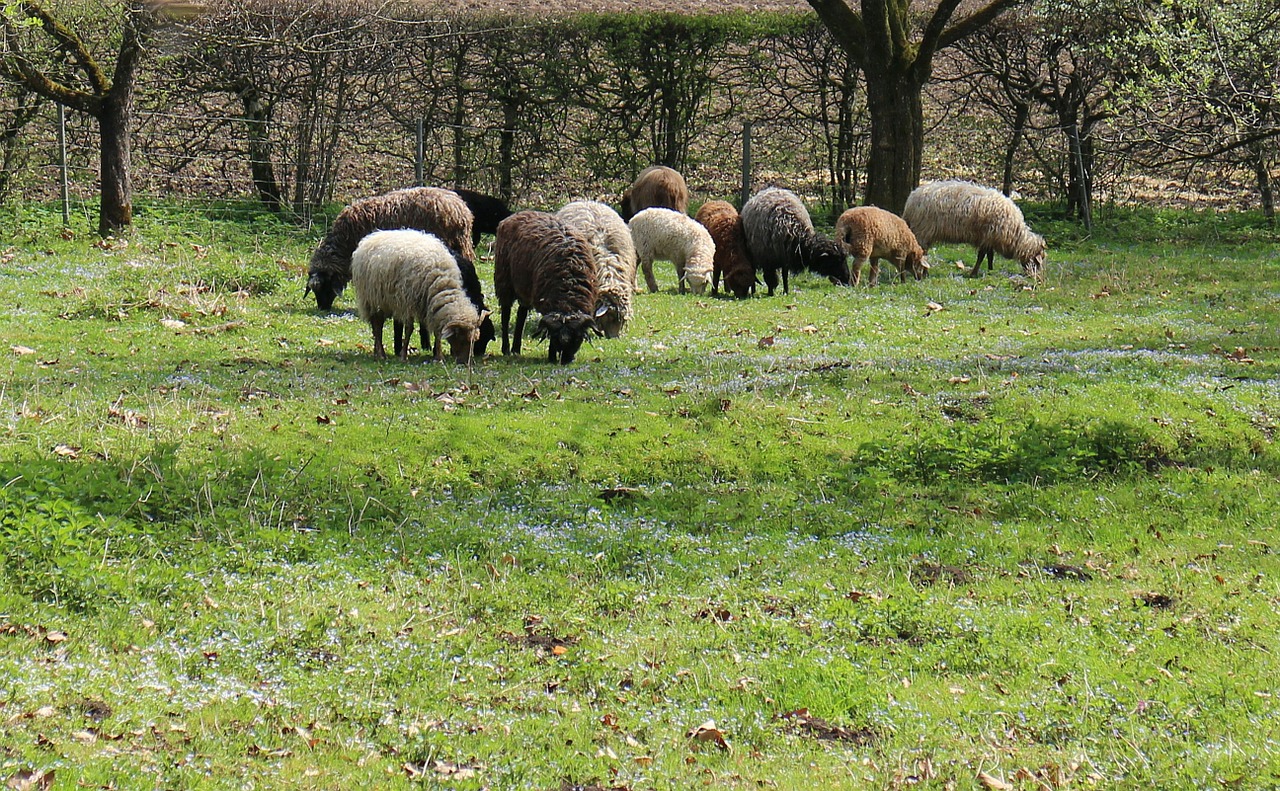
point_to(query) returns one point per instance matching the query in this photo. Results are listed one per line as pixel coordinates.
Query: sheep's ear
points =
(313, 284)
(600, 311)
(924, 263)
(484, 314)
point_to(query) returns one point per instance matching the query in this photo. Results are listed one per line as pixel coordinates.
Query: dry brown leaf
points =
(708, 732)
(30, 780)
(172, 324)
(22, 350)
(56, 637)
(994, 783)
(66, 451)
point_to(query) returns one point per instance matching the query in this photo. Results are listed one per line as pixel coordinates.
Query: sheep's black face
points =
(486, 334)
(565, 335)
(325, 288)
(827, 258)
(741, 283)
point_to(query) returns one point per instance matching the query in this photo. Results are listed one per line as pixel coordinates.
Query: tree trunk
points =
(115, 122)
(1263, 173)
(257, 117)
(507, 148)
(897, 138)
(1011, 150)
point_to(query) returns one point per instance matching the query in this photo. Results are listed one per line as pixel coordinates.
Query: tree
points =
(73, 75)
(896, 65)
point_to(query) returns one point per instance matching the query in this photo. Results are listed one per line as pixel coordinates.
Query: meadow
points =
(961, 533)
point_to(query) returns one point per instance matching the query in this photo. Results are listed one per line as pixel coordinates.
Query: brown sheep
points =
(655, 186)
(868, 232)
(725, 226)
(543, 263)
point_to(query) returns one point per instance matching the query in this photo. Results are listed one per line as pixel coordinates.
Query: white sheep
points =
(676, 237)
(409, 276)
(615, 259)
(960, 212)
(868, 232)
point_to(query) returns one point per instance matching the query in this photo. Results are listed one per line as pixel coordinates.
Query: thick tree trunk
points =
(115, 123)
(897, 138)
(1263, 174)
(1011, 150)
(257, 117)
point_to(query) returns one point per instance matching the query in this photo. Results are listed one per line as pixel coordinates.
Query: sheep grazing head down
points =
(827, 258)
(462, 340)
(609, 321)
(323, 282)
(485, 334)
(1033, 264)
(916, 264)
(565, 333)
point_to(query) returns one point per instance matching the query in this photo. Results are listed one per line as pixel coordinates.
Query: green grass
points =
(1027, 537)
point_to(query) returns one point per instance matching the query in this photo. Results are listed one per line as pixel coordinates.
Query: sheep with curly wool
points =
(615, 258)
(439, 212)
(780, 236)
(960, 212)
(655, 186)
(724, 224)
(676, 237)
(540, 261)
(869, 232)
(486, 211)
(407, 276)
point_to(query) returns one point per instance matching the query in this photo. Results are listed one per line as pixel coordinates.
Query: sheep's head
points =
(609, 319)
(486, 334)
(323, 280)
(827, 258)
(565, 333)
(1033, 259)
(742, 282)
(697, 281)
(916, 264)
(461, 339)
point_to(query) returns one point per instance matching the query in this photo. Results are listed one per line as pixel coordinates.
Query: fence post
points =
(746, 162)
(420, 152)
(62, 165)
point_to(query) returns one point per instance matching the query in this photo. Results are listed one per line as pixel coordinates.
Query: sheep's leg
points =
(715, 281)
(991, 259)
(405, 331)
(649, 279)
(522, 313)
(506, 321)
(424, 337)
(438, 351)
(786, 285)
(977, 267)
(376, 321)
(873, 274)
(680, 276)
(856, 270)
(770, 279)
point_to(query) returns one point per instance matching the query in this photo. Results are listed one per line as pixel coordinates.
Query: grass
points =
(942, 535)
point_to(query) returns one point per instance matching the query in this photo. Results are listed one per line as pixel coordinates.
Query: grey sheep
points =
(960, 212)
(615, 258)
(543, 263)
(780, 235)
(731, 262)
(409, 276)
(655, 186)
(439, 212)
(868, 232)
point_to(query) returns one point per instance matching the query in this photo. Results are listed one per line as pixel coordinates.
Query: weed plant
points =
(945, 534)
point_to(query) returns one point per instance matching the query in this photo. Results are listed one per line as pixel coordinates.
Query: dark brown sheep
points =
(731, 261)
(655, 186)
(439, 212)
(543, 263)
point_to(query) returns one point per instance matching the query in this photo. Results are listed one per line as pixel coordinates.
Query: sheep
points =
(615, 258)
(780, 235)
(486, 210)
(542, 262)
(410, 276)
(436, 211)
(678, 238)
(871, 232)
(724, 224)
(655, 186)
(962, 212)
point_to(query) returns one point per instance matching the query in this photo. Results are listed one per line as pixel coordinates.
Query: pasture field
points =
(951, 534)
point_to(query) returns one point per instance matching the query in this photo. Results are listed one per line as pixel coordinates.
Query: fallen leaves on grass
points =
(708, 733)
(22, 351)
(1159, 601)
(66, 451)
(618, 493)
(30, 780)
(810, 725)
(766, 342)
(994, 783)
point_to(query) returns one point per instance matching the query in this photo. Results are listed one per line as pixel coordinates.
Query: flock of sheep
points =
(409, 254)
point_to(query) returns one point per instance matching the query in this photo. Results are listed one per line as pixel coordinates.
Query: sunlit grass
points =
(974, 526)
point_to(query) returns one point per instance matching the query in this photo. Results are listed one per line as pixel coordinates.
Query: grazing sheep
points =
(678, 238)
(409, 276)
(964, 213)
(542, 262)
(870, 232)
(655, 186)
(486, 210)
(780, 235)
(435, 211)
(725, 226)
(615, 259)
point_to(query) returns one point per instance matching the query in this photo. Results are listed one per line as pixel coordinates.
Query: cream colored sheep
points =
(409, 276)
(868, 232)
(678, 238)
(963, 213)
(615, 259)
